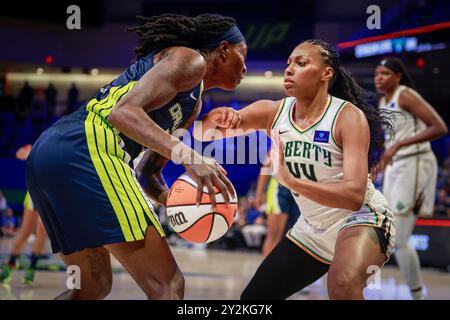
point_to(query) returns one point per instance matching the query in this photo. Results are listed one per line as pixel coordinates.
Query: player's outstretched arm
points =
(225, 122)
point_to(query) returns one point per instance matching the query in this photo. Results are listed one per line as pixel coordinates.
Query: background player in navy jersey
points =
(80, 172)
(30, 223)
(281, 209)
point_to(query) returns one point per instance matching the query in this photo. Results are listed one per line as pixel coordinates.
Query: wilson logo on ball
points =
(199, 224)
(177, 219)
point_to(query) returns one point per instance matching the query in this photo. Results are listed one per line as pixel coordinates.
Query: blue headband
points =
(232, 35)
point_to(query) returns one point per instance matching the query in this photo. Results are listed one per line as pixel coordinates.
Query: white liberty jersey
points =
(313, 154)
(406, 125)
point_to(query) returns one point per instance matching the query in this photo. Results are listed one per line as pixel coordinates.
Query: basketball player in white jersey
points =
(409, 163)
(327, 135)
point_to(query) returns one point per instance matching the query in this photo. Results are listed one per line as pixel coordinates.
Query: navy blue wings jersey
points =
(80, 172)
(169, 117)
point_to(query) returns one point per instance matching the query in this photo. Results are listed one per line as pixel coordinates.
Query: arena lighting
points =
(94, 72)
(59, 78)
(420, 62)
(397, 34)
(268, 80)
(396, 45)
(250, 82)
(433, 223)
(49, 59)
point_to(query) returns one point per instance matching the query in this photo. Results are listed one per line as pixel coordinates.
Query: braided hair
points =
(345, 87)
(166, 30)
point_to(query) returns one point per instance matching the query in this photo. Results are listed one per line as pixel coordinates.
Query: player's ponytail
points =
(345, 87)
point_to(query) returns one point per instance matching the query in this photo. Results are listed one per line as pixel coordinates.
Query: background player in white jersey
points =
(329, 144)
(409, 163)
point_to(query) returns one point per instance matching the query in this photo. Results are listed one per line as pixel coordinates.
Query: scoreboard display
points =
(431, 238)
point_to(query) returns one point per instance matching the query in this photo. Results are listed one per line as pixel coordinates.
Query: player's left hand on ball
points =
(210, 174)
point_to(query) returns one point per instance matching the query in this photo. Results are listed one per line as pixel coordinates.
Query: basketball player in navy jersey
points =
(80, 172)
(30, 223)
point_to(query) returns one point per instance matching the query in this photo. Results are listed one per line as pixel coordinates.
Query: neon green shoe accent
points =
(6, 275)
(54, 267)
(28, 278)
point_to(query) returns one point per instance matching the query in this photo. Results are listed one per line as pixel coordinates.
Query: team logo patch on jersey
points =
(321, 136)
(400, 206)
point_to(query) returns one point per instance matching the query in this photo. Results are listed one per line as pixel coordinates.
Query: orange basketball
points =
(198, 224)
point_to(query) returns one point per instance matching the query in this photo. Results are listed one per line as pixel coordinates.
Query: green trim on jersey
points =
(280, 111)
(291, 119)
(332, 124)
(374, 212)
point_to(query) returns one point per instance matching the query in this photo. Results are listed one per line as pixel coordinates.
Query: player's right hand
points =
(225, 117)
(209, 173)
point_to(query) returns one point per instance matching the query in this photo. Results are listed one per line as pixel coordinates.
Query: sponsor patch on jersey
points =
(321, 136)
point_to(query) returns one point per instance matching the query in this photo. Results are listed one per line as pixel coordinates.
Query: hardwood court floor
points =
(214, 274)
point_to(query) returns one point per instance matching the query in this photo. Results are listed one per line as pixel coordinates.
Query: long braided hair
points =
(166, 30)
(345, 87)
